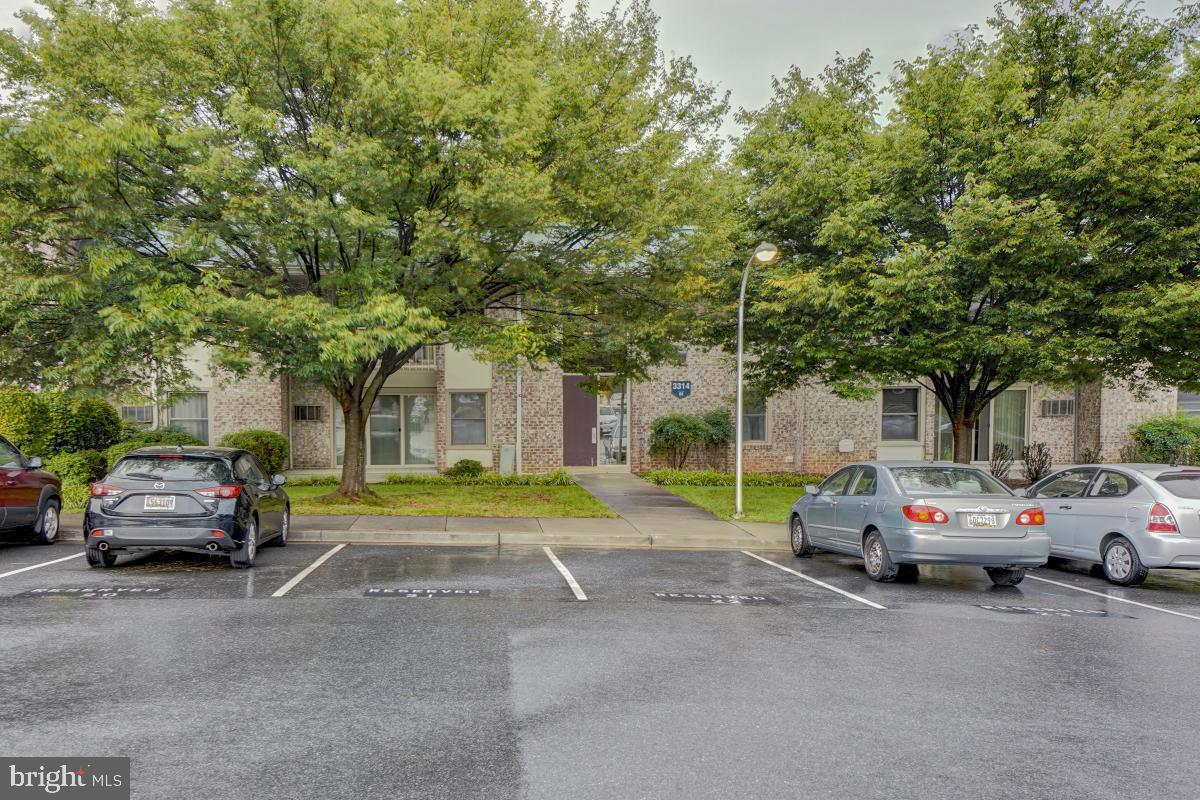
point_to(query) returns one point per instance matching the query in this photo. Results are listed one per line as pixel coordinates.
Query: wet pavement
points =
(420, 672)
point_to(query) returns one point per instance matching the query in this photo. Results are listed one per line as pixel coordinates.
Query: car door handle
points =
(864, 505)
(1065, 508)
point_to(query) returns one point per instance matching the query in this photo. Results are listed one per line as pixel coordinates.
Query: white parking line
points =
(566, 573)
(304, 573)
(43, 564)
(822, 584)
(1110, 597)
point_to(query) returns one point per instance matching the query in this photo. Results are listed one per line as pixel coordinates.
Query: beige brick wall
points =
(312, 441)
(541, 416)
(1122, 408)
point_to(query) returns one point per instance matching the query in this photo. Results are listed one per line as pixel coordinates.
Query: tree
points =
(320, 187)
(1003, 223)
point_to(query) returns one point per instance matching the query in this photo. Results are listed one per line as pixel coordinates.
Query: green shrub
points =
(558, 477)
(674, 435)
(711, 477)
(1169, 439)
(81, 423)
(74, 496)
(149, 438)
(314, 480)
(23, 421)
(269, 447)
(720, 427)
(466, 468)
(82, 467)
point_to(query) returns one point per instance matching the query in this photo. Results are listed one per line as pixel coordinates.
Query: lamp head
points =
(766, 253)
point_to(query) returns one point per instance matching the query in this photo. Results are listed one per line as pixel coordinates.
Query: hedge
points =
(558, 477)
(149, 438)
(269, 447)
(711, 477)
(82, 467)
(1169, 439)
(75, 496)
(47, 423)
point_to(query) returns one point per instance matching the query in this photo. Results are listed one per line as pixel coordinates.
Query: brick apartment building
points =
(446, 406)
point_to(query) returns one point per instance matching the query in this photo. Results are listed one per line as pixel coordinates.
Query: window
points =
(247, 469)
(307, 413)
(468, 418)
(141, 415)
(187, 468)
(189, 413)
(946, 480)
(1058, 408)
(1071, 483)
(900, 418)
(1187, 486)
(9, 457)
(401, 431)
(836, 483)
(754, 421)
(864, 485)
(1189, 403)
(1112, 484)
(423, 357)
(1002, 422)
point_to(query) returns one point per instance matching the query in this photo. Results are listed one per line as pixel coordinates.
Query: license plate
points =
(157, 502)
(982, 521)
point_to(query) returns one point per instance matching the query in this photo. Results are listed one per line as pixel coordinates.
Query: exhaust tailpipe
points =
(212, 547)
(102, 546)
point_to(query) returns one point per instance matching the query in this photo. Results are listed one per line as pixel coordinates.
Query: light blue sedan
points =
(897, 514)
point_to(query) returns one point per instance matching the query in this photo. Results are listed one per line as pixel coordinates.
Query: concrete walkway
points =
(693, 528)
(667, 518)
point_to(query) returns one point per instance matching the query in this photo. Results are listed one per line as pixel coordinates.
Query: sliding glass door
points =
(1005, 421)
(401, 431)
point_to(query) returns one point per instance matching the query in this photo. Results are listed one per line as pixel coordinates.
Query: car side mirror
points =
(812, 488)
(34, 463)
(278, 480)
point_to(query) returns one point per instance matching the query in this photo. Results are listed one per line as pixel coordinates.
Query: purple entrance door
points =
(579, 424)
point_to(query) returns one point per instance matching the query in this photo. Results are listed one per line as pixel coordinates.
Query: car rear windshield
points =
(946, 480)
(172, 468)
(1182, 485)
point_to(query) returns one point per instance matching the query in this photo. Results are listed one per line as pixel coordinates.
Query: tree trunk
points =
(964, 440)
(354, 461)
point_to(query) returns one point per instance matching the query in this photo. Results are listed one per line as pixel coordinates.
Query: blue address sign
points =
(681, 389)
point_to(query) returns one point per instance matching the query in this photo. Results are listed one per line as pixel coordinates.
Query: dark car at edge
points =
(30, 497)
(214, 500)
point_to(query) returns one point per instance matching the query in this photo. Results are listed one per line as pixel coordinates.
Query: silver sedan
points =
(897, 514)
(1126, 517)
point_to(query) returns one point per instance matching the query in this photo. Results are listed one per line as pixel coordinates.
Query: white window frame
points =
(1026, 388)
(207, 418)
(766, 415)
(401, 393)
(919, 414)
(487, 419)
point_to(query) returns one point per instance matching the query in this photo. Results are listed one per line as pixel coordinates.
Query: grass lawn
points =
(402, 500)
(761, 503)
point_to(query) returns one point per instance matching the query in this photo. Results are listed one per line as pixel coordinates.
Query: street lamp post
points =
(765, 253)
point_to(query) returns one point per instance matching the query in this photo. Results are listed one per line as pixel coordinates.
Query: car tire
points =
(280, 539)
(802, 547)
(100, 559)
(45, 530)
(876, 559)
(1005, 576)
(1122, 565)
(243, 557)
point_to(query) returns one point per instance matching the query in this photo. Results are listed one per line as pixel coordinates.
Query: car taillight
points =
(105, 490)
(1032, 516)
(926, 514)
(224, 492)
(1161, 520)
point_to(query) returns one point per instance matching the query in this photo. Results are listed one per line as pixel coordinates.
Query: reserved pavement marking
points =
(822, 584)
(304, 573)
(566, 573)
(43, 564)
(1109, 597)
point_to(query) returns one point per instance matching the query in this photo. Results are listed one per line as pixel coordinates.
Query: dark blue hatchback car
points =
(208, 499)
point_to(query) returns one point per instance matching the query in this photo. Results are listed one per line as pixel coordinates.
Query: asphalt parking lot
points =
(418, 672)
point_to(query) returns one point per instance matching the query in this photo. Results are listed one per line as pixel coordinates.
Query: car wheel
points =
(100, 559)
(1004, 576)
(1122, 565)
(244, 556)
(284, 525)
(801, 546)
(45, 531)
(876, 559)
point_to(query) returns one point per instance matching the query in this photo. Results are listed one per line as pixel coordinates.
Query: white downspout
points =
(517, 448)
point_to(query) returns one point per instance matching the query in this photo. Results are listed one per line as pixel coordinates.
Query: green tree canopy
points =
(319, 187)
(1029, 198)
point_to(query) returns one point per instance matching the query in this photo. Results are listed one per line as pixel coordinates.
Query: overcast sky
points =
(740, 44)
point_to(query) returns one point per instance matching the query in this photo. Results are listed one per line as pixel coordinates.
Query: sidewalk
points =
(641, 529)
